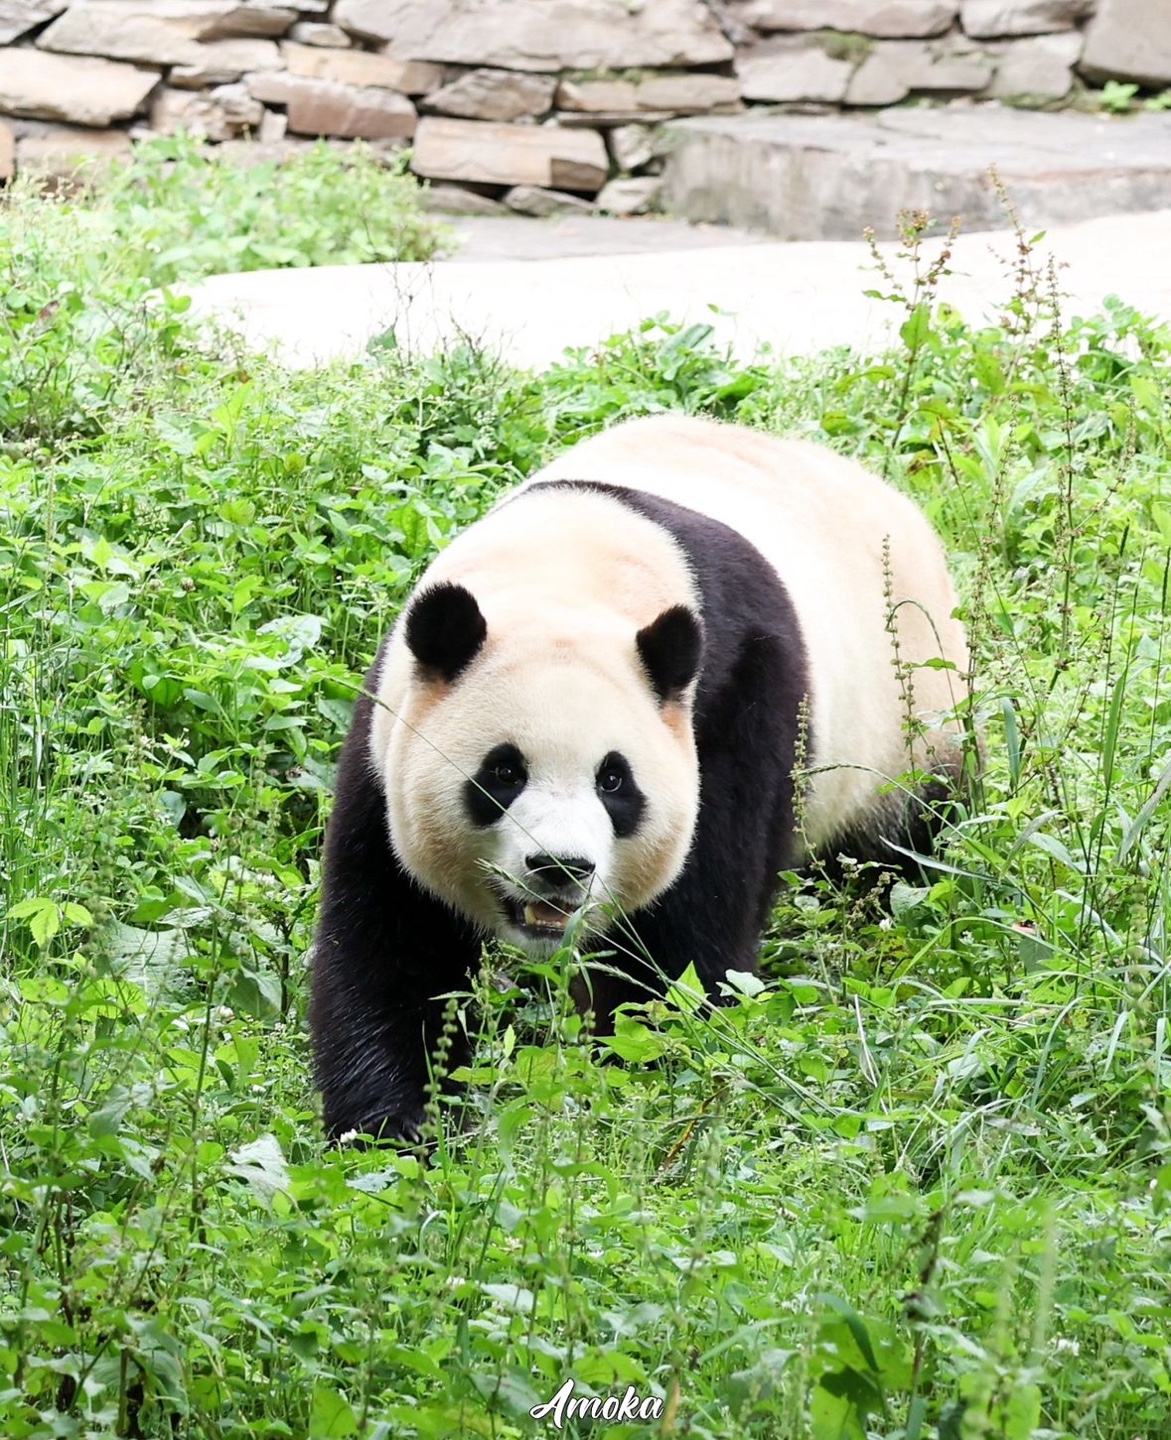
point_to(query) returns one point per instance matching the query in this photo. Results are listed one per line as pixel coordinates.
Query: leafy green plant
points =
(179, 211)
(82, 320)
(1117, 98)
(76, 338)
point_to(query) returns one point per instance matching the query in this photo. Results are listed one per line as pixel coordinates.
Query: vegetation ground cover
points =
(916, 1184)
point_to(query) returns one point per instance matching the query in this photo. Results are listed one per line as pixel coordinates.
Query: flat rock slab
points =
(75, 88)
(549, 35)
(894, 18)
(360, 67)
(545, 295)
(487, 94)
(483, 152)
(993, 19)
(578, 237)
(832, 176)
(159, 32)
(678, 92)
(65, 152)
(220, 62)
(329, 107)
(1129, 40)
(18, 17)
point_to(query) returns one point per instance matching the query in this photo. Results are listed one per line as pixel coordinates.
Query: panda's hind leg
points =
(894, 843)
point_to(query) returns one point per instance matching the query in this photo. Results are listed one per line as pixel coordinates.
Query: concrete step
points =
(828, 177)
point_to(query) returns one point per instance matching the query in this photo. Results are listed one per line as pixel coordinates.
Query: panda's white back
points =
(850, 550)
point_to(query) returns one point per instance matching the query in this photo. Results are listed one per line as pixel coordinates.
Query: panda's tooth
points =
(543, 916)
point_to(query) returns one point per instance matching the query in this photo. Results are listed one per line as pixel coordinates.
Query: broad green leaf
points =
(331, 1416)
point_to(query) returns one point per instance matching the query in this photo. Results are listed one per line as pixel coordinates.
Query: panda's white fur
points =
(712, 607)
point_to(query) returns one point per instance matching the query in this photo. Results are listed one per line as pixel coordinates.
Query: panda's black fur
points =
(386, 947)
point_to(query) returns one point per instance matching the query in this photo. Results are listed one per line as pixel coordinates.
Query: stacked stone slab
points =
(831, 177)
(536, 105)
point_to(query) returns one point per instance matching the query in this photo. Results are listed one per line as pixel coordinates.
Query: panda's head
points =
(537, 768)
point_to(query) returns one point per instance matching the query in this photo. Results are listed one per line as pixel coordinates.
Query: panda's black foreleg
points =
(373, 1069)
(384, 952)
(713, 915)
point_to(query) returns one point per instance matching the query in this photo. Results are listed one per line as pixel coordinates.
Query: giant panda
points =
(680, 659)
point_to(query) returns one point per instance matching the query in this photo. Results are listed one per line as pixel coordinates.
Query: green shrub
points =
(181, 211)
(79, 333)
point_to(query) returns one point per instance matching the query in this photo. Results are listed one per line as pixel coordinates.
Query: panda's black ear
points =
(445, 630)
(671, 648)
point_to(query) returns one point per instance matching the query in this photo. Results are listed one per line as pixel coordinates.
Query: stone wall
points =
(531, 104)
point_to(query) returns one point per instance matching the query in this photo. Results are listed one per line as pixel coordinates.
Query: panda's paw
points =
(406, 1127)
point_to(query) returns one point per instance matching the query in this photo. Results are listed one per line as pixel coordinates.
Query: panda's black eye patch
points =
(619, 793)
(495, 785)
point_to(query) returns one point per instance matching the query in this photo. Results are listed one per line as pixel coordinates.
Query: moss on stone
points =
(844, 45)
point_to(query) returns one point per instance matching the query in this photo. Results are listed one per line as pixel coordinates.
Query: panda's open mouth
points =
(535, 917)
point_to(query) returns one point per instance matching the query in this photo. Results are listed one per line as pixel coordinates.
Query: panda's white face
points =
(552, 826)
(542, 781)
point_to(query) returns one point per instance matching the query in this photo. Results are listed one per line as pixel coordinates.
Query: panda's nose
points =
(558, 870)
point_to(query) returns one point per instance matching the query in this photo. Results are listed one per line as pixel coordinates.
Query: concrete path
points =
(528, 289)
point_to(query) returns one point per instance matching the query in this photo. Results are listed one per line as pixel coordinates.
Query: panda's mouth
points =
(539, 918)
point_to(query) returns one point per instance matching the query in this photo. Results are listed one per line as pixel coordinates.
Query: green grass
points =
(918, 1185)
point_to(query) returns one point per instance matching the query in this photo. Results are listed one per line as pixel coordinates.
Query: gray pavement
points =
(567, 237)
(528, 289)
